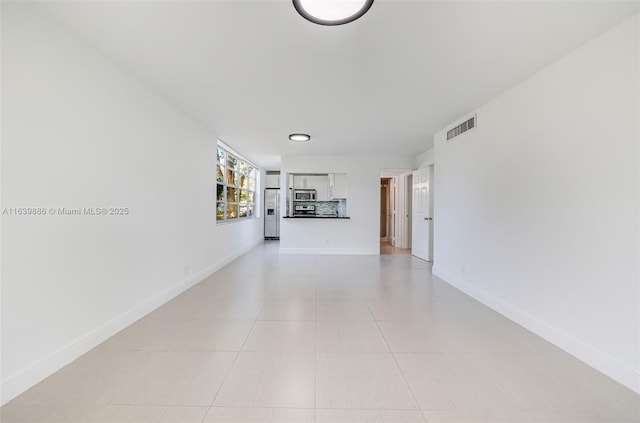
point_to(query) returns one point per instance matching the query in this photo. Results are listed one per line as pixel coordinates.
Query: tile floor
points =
(323, 339)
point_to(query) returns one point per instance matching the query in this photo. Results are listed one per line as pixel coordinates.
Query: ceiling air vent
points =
(465, 126)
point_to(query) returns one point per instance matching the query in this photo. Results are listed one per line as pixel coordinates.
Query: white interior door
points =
(391, 211)
(422, 219)
(384, 233)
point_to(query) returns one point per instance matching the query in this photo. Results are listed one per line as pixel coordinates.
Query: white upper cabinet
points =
(338, 185)
(332, 186)
(272, 181)
(321, 184)
(299, 181)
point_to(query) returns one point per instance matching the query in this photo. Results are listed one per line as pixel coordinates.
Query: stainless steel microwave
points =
(304, 195)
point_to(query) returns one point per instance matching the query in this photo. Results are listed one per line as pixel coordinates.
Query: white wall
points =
(426, 158)
(358, 235)
(79, 132)
(537, 209)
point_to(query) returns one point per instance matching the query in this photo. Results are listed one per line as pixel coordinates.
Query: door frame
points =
(401, 205)
(383, 210)
(432, 172)
(387, 209)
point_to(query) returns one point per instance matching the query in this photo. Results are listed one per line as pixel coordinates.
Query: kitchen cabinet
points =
(338, 185)
(319, 182)
(299, 181)
(272, 181)
(328, 186)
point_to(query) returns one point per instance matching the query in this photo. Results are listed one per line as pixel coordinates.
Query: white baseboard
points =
(35, 374)
(578, 349)
(338, 251)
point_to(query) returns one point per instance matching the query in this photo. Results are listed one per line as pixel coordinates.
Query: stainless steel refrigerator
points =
(272, 213)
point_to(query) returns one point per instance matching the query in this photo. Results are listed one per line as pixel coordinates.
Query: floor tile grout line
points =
(315, 361)
(395, 360)
(226, 376)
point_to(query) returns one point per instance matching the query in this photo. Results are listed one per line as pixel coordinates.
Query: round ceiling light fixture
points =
(332, 12)
(300, 137)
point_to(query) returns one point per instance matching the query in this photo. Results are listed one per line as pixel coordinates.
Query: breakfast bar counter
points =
(316, 217)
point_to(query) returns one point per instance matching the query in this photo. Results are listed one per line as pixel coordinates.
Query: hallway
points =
(294, 338)
(387, 249)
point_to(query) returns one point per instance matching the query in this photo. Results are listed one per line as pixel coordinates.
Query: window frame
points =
(238, 177)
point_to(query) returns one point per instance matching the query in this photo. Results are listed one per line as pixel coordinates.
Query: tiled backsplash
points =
(327, 208)
(342, 208)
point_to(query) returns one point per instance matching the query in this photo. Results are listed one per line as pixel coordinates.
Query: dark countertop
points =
(315, 217)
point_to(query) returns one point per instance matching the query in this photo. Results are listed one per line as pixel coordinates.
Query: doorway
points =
(395, 212)
(386, 211)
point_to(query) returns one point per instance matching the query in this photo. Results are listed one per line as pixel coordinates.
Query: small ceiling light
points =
(300, 137)
(332, 12)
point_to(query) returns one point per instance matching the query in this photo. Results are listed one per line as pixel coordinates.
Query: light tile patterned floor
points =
(324, 339)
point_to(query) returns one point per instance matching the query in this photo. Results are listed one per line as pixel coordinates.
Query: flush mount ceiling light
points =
(332, 12)
(300, 137)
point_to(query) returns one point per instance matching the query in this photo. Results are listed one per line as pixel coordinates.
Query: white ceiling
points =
(255, 71)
